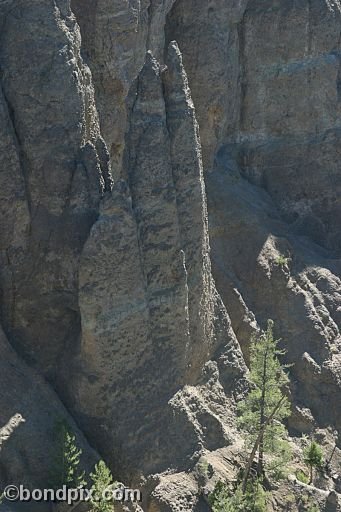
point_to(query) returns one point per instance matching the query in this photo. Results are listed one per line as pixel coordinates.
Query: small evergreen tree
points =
(102, 480)
(265, 407)
(313, 457)
(66, 470)
(254, 499)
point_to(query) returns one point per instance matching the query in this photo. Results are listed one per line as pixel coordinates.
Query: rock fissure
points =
(169, 180)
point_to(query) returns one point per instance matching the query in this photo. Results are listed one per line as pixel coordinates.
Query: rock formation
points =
(29, 416)
(116, 36)
(270, 92)
(151, 316)
(54, 169)
(269, 129)
(169, 180)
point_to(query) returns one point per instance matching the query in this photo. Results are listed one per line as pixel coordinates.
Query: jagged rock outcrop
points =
(53, 172)
(279, 275)
(151, 316)
(116, 36)
(270, 90)
(207, 34)
(54, 169)
(274, 128)
(107, 289)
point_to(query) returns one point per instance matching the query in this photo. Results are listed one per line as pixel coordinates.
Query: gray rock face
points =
(116, 36)
(107, 290)
(267, 103)
(53, 172)
(29, 413)
(270, 90)
(207, 34)
(302, 292)
(151, 316)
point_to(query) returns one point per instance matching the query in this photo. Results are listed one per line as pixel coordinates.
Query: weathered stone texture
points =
(29, 415)
(51, 176)
(116, 36)
(151, 316)
(264, 78)
(270, 89)
(107, 290)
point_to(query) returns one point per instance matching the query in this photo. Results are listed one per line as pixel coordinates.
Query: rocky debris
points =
(332, 501)
(283, 277)
(206, 409)
(151, 316)
(301, 420)
(175, 492)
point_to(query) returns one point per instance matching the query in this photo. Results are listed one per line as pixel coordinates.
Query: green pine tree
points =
(313, 457)
(254, 499)
(265, 407)
(65, 469)
(102, 480)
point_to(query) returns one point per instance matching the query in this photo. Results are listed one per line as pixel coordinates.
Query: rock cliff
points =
(270, 133)
(151, 315)
(169, 180)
